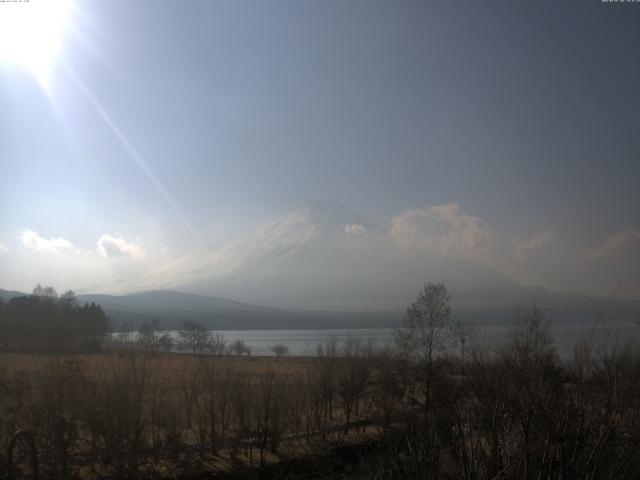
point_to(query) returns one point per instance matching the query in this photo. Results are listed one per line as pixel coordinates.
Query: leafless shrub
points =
(279, 350)
(195, 337)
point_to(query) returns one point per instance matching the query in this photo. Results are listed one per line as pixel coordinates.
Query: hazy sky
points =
(155, 127)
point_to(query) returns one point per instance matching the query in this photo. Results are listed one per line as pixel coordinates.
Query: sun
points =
(31, 34)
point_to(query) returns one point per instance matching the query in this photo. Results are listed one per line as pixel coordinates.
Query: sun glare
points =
(31, 34)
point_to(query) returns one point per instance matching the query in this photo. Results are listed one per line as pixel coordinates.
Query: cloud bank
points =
(113, 247)
(615, 244)
(536, 242)
(442, 229)
(107, 247)
(33, 241)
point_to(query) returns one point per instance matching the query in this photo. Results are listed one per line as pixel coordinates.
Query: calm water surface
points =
(306, 342)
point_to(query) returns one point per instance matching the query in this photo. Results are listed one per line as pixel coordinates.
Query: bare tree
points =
(147, 335)
(355, 371)
(279, 350)
(166, 342)
(45, 293)
(217, 344)
(240, 348)
(461, 334)
(68, 299)
(195, 336)
(530, 351)
(424, 332)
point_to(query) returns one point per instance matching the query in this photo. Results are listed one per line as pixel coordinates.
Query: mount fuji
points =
(322, 256)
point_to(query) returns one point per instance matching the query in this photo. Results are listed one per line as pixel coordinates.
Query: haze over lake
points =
(306, 342)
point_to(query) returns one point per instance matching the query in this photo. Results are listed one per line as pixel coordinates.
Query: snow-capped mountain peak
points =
(258, 255)
(321, 255)
(312, 220)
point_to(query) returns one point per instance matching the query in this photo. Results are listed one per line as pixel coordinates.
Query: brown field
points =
(134, 412)
(169, 365)
(513, 413)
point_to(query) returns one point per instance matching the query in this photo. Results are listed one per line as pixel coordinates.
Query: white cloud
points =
(67, 264)
(534, 243)
(32, 240)
(354, 229)
(614, 244)
(110, 247)
(442, 229)
(3, 248)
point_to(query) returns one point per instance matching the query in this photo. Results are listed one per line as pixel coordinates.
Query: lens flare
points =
(31, 34)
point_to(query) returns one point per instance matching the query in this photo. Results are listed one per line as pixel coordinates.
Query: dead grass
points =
(169, 365)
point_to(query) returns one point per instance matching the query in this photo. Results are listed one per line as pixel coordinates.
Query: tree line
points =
(192, 337)
(45, 320)
(514, 411)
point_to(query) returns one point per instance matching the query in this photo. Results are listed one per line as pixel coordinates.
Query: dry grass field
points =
(169, 365)
(150, 414)
(511, 413)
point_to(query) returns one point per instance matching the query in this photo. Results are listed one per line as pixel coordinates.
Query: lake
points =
(306, 342)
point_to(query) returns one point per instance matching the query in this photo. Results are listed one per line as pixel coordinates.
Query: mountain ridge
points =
(323, 256)
(322, 265)
(171, 309)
